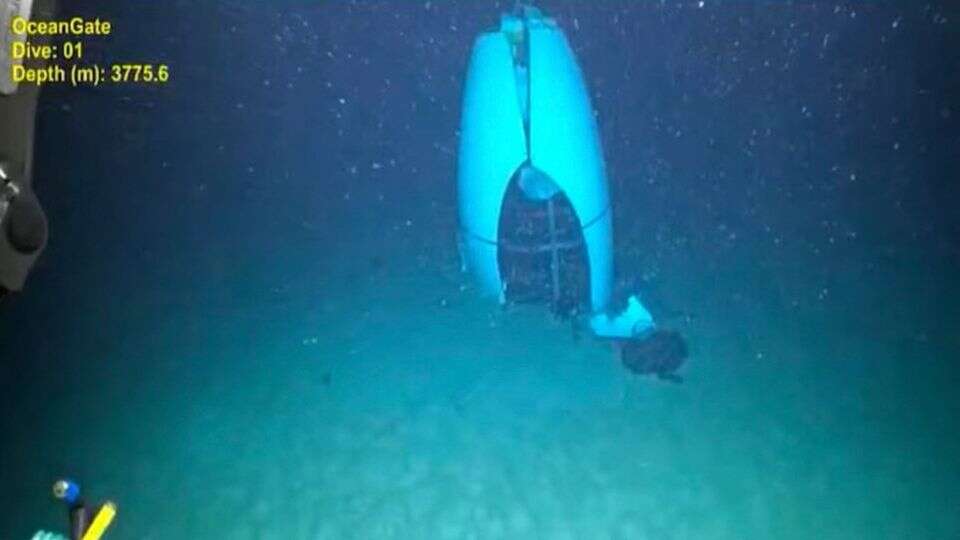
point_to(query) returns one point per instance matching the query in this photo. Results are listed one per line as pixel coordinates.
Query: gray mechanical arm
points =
(23, 224)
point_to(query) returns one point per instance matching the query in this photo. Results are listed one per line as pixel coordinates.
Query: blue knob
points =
(66, 490)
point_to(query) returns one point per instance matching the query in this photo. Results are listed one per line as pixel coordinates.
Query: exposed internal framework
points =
(542, 256)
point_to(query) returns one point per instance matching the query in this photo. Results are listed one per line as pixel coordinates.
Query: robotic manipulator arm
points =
(23, 224)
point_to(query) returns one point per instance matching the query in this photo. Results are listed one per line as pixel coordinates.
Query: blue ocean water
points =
(250, 321)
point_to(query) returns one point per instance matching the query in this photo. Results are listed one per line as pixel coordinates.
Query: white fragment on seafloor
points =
(311, 341)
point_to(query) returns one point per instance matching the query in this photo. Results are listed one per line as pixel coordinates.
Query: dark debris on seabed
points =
(660, 353)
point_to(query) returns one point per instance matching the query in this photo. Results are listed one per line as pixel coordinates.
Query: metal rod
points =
(515, 248)
(554, 252)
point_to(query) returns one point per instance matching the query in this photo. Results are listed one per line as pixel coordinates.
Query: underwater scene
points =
(479, 269)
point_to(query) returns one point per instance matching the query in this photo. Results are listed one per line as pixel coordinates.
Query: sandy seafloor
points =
(386, 399)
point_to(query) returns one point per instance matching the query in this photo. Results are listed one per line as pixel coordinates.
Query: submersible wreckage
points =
(534, 205)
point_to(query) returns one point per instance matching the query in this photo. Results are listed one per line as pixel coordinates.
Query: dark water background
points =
(781, 130)
(824, 126)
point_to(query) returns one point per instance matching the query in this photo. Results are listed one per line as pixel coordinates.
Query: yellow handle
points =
(101, 521)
